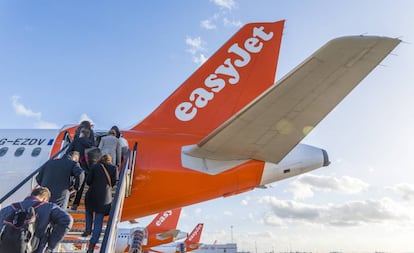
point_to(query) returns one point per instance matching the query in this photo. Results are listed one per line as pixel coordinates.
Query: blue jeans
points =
(97, 225)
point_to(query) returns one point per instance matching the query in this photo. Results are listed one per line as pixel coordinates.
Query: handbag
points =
(108, 206)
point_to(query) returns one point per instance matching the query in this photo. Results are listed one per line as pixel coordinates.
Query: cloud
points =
(300, 190)
(226, 4)
(207, 24)
(200, 59)
(85, 116)
(305, 185)
(358, 212)
(406, 190)
(198, 211)
(289, 209)
(353, 213)
(196, 46)
(273, 220)
(262, 235)
(225, 8)
(20, 109)
(245, 201)
(227, 22)
(46, 125)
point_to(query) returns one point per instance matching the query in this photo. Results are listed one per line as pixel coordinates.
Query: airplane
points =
(191, 243)
(161, 230)
(217, 247)
(229, 128)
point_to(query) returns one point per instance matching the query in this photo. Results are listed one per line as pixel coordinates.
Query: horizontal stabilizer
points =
(272, 125)
(169, 234)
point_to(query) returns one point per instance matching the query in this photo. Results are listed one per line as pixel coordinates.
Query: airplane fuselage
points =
(160, 181)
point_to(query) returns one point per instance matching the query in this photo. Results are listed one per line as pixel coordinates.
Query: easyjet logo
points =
(163, 217)
(195, 232)
(226, 73)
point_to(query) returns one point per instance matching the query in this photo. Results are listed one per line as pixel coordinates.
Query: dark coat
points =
(99, 195)
(58, 176)
(80, 144)
(47, 213)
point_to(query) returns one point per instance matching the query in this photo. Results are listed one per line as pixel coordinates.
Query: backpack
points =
(17, 232)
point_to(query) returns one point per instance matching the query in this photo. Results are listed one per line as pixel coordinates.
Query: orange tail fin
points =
(164, 221)
(195, 235)
(242, 69)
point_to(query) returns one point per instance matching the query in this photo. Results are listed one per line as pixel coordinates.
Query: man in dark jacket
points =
(59, 176)
(50, 218)
(81, 144)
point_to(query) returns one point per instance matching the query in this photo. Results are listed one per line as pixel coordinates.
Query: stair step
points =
(76, 246)
(80, 230)
(78, 220)
(79, 211)
(84, 221)
(86, 240)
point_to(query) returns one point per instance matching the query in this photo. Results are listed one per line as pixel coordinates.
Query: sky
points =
(114, 62)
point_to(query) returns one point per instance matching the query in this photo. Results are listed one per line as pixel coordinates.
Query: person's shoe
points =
(74, 207)
(90, 248)
(86, 233)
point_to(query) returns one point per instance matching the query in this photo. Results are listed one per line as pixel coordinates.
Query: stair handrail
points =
(109, 239)
(26, 179)
(130, 172)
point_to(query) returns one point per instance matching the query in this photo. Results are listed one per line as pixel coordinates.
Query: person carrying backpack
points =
(34, 224)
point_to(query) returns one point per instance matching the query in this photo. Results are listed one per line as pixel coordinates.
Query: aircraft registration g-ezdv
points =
(229, 128)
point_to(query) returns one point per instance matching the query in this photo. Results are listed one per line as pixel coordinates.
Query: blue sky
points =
(114, 62)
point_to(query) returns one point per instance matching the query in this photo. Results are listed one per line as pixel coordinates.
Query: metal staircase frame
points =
(124, 183)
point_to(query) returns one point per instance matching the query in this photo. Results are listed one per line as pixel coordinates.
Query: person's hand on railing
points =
(72, 190)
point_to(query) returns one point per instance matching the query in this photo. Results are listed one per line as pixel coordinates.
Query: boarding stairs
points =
(73, 241)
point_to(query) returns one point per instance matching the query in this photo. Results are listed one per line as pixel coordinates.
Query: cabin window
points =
(3, 151)
(36, 152)
(19, 152)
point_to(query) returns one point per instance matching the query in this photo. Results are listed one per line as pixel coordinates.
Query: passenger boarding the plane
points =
(80, 144)
(59, 176)
(47, 215)
(124, 148)
(111, 145)
(98, 199)
(122, 141)
(85, 125)
(117, 132)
